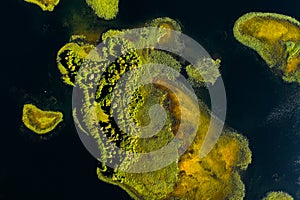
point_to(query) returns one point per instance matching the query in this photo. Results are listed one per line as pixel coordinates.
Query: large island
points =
(189, 176)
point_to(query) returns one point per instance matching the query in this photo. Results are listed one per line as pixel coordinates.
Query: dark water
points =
(260, 105)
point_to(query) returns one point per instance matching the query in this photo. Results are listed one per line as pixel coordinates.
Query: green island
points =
(278, 196)
(45, 5)
(40, 121)
(215, 176)
(276, 38)
(106, 9)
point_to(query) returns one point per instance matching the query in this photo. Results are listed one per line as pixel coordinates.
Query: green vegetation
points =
(207, 71)
(150, 185)
(40, 121)
(276, 38)
(278, 196)
(165, 22)
(45, 5)
(215, 176)
(106, 9)
(71, 56)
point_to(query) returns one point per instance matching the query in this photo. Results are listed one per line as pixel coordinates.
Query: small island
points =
(278, 196)
(40, 121)
(106, 9)
(45, 5)
(276, 38)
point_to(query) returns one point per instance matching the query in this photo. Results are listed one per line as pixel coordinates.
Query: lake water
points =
(260, 105)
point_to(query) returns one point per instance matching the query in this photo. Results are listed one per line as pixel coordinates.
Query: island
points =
(45, 5)
(40, 121)
(278, 196)
(116, 127)
(106, 9)
(276, 38)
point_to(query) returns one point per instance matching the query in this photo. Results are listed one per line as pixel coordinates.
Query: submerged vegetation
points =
(276, 38)
(40, 121)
